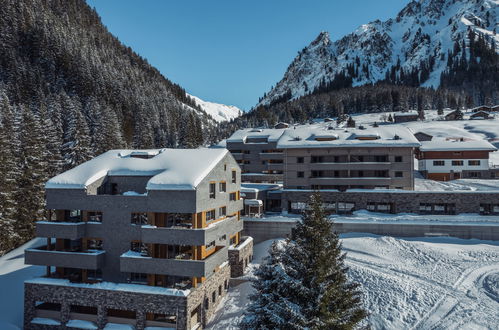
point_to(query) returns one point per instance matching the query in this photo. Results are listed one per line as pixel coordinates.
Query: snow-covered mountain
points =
(417, 44)
(219, 112)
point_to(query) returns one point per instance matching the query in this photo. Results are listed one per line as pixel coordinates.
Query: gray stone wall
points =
(240, 258)
(402, 201)
(141, 303)
(265, 230)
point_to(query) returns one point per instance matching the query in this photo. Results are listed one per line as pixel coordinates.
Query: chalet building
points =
(281, 125)
(422, 136)
(482, 115)
(445, 160)
(403, 117)
(369, 158)
(454, 115)
(492, 108)
(138, 238)
(256, 152)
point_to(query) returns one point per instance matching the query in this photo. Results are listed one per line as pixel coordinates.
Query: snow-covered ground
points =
(416, 283)
(13, 272)
(456, 185)
(434, 124)
(219, 112)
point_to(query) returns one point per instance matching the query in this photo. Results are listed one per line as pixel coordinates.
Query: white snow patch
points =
(170, 169)
(219, 112)
(81, 324)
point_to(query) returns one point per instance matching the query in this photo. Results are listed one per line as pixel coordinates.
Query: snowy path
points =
(417, 283)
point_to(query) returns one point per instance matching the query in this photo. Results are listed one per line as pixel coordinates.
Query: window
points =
(398, 159)
(473, 162)
(213, 296)
(219, 290)
(222, 212)
(206, 303)
(225, 167)
(139, 218)
(210, 245)
(226, 284)
(399, 174)
(263, 162)
(457, 163)
(381, 158)
(94, 244)
(232, 197)
(439, 163)
(474, 175)
(300, 174)
(138, 278)
(212, 190)
(222, 186)
(316, 159)
(234, 176)
(210, 215)
(300, 160)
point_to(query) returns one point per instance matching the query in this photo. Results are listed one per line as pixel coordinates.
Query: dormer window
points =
(367, 136)
(326, 137)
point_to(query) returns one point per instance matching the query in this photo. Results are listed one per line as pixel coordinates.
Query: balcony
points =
(238, 155)
(350, 166)
(89, 259)
(181, 236)
(271, 155)
(275, 166)
(70, 230)
(350, 180)
(132, 262)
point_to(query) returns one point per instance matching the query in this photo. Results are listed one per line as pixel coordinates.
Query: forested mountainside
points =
(70, 90)
(431, 43)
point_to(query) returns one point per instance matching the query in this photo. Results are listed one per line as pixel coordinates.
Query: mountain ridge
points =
(414, 48)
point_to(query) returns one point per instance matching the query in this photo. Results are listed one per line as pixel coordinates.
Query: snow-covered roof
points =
(271, 134)
(405, 113)
(382, 136)
(169, 169)
(253, 202)
(450, 145)
(256, 187)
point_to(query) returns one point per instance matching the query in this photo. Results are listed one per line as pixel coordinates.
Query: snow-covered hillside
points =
(418, 283)
(219, 112)
(421, 36)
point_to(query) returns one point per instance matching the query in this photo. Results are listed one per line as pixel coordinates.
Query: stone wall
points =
(402, 201)
(141, 303)
(265, 230)
(239, 258)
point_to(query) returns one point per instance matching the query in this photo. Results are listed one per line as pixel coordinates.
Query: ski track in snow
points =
(409, 283)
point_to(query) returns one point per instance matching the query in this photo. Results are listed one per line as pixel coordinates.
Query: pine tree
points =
(76, 144)
(350, 122)
(28, 192)
(9, 238)
(303, 283)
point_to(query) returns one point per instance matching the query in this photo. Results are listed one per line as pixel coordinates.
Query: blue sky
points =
(231, 51)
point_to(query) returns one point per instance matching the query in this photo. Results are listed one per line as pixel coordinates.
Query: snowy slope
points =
(422, 34)
(219, 112)
(418, 283)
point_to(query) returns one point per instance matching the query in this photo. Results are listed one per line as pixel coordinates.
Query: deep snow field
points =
(410, 283)
(418, 283)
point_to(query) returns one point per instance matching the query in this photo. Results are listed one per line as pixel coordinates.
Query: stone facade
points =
(141, 303)
(402, 201)
(240, 256)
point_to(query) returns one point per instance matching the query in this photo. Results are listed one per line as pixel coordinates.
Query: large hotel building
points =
(138, 239)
